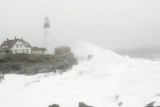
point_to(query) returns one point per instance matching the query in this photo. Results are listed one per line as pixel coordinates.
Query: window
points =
(15, 51)
(26, 51)
(3, 46)
(23, 51)
(17, 45)
(21, 45)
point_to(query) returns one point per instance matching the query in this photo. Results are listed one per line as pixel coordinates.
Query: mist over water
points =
(110, 24)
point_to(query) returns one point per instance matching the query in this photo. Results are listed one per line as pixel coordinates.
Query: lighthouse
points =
(48, 42)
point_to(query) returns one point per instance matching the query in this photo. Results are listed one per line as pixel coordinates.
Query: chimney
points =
(15, 38)
(7, 39)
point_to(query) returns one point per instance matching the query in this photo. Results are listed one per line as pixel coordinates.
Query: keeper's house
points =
(17, 46)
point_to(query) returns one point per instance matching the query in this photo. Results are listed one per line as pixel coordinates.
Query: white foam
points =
(96, 81)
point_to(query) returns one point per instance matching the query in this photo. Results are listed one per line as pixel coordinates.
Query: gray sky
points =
(108, 23)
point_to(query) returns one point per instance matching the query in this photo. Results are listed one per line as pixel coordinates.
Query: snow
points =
(103, 81)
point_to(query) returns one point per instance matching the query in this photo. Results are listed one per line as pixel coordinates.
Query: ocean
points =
(106, 79)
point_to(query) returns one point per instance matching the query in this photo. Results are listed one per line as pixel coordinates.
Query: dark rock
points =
(82, 104)
(89, 57)
(151, 104)
(120, 104)
(54, 105)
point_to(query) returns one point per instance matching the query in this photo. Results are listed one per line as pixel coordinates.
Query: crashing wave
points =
(106, 79)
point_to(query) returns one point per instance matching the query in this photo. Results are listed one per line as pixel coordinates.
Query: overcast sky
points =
(108, 23)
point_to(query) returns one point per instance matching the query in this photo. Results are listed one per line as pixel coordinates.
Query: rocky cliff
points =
(33, 64)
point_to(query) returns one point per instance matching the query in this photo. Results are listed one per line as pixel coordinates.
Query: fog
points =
(110, 24)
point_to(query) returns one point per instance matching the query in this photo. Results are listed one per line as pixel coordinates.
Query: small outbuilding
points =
(62, 50)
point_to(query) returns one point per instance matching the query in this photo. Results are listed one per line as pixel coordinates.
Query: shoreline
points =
(29, 64)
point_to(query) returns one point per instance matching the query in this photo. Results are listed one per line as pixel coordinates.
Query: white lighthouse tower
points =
(48, 41)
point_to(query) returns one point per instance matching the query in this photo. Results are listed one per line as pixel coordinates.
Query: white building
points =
(16, 46)
(48, 41)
